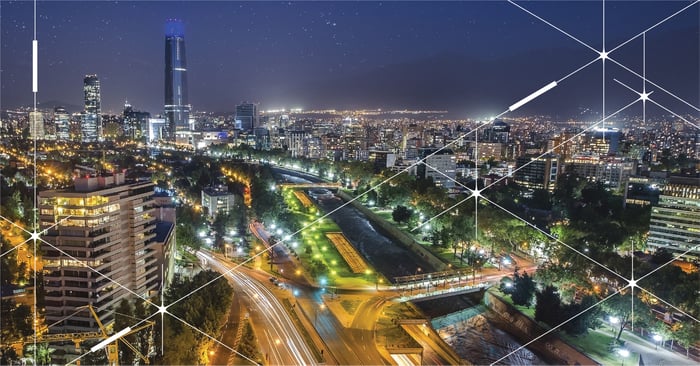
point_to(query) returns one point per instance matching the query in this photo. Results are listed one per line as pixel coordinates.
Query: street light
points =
(624, 353)
(657, 339)
(613, 321)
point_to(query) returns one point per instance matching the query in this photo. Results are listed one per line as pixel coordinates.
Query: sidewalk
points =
(649, 353)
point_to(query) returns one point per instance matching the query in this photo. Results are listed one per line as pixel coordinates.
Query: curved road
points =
(280, 341)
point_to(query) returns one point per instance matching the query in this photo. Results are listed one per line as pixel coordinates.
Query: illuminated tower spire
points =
(177, 108)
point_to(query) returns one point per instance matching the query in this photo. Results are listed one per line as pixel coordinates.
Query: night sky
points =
(473, 58)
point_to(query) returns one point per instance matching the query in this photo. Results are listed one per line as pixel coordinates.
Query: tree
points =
(580, 317)
(123, 318)
(548, 306)
(620, 306)
(687, 335)
(401, 214)
(523, 289)
(43, 353)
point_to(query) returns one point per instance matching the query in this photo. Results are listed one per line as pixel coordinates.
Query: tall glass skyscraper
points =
(177, 108)
(62, 121)
(91, 123)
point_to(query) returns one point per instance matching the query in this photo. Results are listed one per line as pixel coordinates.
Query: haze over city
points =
(471, 58)
(350, 183)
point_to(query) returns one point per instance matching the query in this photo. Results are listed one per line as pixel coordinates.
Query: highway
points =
(279, 340)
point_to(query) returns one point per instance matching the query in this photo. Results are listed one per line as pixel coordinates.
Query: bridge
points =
(310, 185)
(425, 286)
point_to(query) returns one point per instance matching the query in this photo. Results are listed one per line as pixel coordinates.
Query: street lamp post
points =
(624, 353)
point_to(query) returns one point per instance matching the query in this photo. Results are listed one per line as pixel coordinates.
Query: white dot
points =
(604, 55)
(633, 283)
(476, 193)
(644, 96)
(162, 309)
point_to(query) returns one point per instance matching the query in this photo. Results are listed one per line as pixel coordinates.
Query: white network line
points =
(475, 130)
(654, 84)
(557, 327)
(359, 196)
(536, 228)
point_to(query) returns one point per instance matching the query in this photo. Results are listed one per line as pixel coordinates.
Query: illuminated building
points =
(61, 120)
(177, 108)
(135, 123)
(36, 125)
(611, 171)
(381, 159)
(91, 122)
(102, 236)
(675, 220)
(246, 116)
(602, 141)
(217, 200)
(438, 164)
(537, 172)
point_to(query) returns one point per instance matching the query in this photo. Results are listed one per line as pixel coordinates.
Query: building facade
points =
(675, 220)
(102, 248)
(217, 201)
(91, 124)
(440, 166)
(246, 116)
(177, 107)
(36, 125)
(537, 172)
(61, 120)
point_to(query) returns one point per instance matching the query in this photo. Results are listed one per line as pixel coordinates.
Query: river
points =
(387, 256)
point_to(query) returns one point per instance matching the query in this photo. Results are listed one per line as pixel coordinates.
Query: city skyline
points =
(470, 67)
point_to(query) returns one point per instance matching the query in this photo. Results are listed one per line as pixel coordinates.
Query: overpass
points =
(310, 185)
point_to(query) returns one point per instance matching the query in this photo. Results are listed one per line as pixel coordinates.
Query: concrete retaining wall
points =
(550, 347)
(397, 234)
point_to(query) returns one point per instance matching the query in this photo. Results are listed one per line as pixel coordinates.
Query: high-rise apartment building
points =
(246, 116)
(61, 120)
(177, 108)
(102, 236)
(675, 220)
(91, 124)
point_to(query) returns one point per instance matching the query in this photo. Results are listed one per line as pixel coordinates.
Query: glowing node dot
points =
(162, 309)
(476, 193)
(644, 96)
(604, 55)
(35, 236)
(633, 283)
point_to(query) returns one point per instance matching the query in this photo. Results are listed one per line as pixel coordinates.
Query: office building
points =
(537, 172)
(36, 125)
(246, 116)
(177, 108)
(602, 141)
(675, 220)
(217, 200)
(91, 126)
(612, 172)
(135, 123)
(381, 159)
(102, 242)
(439, 165)
(61, 120)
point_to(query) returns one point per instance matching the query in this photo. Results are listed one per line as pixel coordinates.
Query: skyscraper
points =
(61, 120)
(177, 109)
(246, 116)
(91, 124)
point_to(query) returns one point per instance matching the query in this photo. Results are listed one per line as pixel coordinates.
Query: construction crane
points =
(111, 346)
